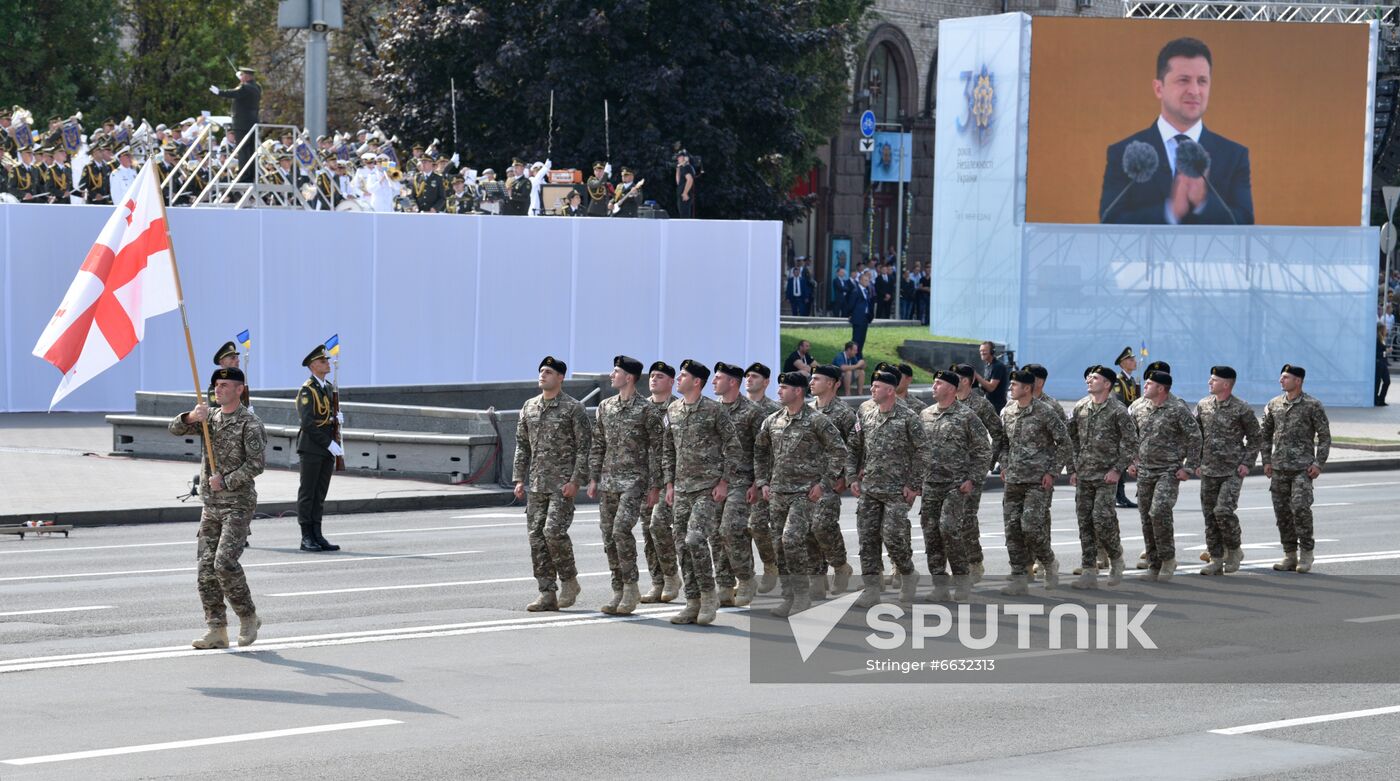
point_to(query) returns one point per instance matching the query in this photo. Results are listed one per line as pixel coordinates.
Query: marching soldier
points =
(1037, 448)
(1296, 439)
(962, 453)
(799, 455)
(658, 540)
(891, 462)
(702, 457)
(732, 542)
(1105, 441)
(600, 191)
(986, 413)
(1126, 389)
(906, 378)
(1154, 366)
(517, 191)
(625, 463)
(1169, 449)
(1229, 445)
(826, 545)
(239, 443)
(316, 449)
(552, 442)
(756, 378)
(627, 196)
(428, 190)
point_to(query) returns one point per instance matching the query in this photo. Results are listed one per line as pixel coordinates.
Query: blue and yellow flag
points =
(246, 339)
(333, 345)
(1144, 349)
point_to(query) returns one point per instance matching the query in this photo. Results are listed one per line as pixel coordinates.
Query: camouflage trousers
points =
(943, 517)
(618, 512)
(696, 513)
(1095, 506)
(1292, 493)
(762, 529)
(883, 520)
(1220, 496)
(547, 520)
(825, 544)
(732, 543)
(1027, 524)
(1156, 495)
(222, 531)
(658, 544)
(792, 522)
(972, 531)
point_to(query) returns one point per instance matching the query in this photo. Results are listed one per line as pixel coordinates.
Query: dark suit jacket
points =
(246, 99)
(314, 406)
(1145, 203)
(862, 308)
(841, 292)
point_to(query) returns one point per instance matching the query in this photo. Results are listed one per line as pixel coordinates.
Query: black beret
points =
(1101, 370)
(229, 348)
(1157, 366)
(949, 377)
(793, 380)
(886, 366)
(1040, 372)
(630, 365)
(1022, 376)
(1160, 377)
(549, 361)
(1127, 353)
(316, 354)
(1223, 372)
(906, 370)
(236, 375)
(828, 370)
(730, 369)
(696, 369)
(758, 368)
(887, 377)
(1296, 371)
(963, 370)
(663, 367)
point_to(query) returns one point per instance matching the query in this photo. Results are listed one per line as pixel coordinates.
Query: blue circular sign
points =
(867, 124)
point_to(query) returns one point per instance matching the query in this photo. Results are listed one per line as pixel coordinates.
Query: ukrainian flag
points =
(333, 345)
(1144, 349)
(246, 339)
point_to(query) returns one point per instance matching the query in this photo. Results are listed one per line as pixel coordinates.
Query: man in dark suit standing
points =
(841, 288)
(247, 98)
(884, 292)
(317, 450)
(1222, 196)
(862, 308)
(798, 289)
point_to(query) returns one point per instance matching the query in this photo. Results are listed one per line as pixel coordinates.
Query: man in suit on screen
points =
(1210, 189)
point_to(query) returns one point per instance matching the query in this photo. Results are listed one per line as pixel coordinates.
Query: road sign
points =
(1388, 237)
(867, 145)
(867, 124)
(1391, 195)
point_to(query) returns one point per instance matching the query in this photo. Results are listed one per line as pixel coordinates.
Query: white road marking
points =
(430, 529)
(407, 586)
(1367, 620)
(57, 610)
(243, 738)
(1268, 725)
(326, 560)
(1354, 485)
(517, 514)
(1319, 504)
(95, 547)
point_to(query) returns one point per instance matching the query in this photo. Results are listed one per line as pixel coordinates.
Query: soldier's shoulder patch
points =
(666, 420)
(301, 398)
(857, 427)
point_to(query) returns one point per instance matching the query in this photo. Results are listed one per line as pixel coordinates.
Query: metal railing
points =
(259, 183)
(1262, 11)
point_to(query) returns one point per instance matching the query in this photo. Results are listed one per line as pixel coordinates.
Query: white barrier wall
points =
(415, 298)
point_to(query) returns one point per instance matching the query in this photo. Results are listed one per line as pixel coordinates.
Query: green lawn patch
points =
(881, 344)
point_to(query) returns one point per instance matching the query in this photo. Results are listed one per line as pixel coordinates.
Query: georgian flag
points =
(127, 277)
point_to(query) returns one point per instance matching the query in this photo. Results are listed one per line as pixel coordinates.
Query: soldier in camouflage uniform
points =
(1229, 445)
(658, 543)
(1169, 449)
(1296, 440)
(552, 443)
(625, 461)
(732, 543)
(1037, 448)
(1105, 441)
(799, 456)
(826, 545)
(916, 406)
(239, 443)
(986, 413)
(1141, 401)
(906, 378)
(756, 379)
(1042, 374)
(962, 452)
(701, 457)
(893, 457)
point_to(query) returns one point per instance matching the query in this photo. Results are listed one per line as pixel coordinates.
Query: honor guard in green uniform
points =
(96, 188)
(316, 448)
(61, 183)
(600, 191)
(1126, 388)
(226, 357)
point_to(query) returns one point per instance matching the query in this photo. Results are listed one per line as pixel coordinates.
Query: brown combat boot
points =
(709, 605)
(652, 596)
(216, 637)
(611, 607)
(546, 601)
(841, 579)
(631, 595)
(1115, 572)
(743, 595)
(1305, 561)
(726, 596)
(908, 584)
(568, 593)
(769, 580)
(248, 630)
(1233, 557)
(688, 613)
(672, 588)
(1288, 563)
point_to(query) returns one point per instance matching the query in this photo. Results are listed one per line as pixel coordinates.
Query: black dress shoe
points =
(1127, 503)
(321, 540)
(310, 545)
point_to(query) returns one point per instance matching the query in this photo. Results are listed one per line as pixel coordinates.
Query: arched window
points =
(884, 81)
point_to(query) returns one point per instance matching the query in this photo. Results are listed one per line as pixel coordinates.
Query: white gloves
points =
(456, 161)
(340, 418)
(336, 449)
(213, 89)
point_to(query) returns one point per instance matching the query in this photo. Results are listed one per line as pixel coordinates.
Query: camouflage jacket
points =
(746, 417)
(986, 413)
(766, 407)
(1168, 436)
(914, 403)
(961, 448)
(848, 423)
(552, 442)
(1037, 442)
(1104, 438)
(626, 450)
(240, 452)
(895, 450)
(701, 447)
(1229, 435)
(1289, 430)
(794, 452)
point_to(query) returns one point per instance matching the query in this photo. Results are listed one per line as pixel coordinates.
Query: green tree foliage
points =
(751, 86)
(58, 54)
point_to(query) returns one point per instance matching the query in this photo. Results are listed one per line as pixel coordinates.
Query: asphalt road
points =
(409, 655)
